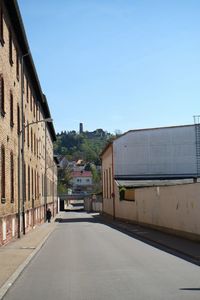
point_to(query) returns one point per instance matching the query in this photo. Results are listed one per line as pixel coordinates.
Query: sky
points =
(116, 64)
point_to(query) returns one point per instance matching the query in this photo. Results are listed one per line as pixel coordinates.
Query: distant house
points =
(79, 165)
(82, 181)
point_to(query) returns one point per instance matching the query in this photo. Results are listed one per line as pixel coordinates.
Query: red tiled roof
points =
(82, 174)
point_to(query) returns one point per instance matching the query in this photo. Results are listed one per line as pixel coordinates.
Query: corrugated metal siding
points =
(162, 151)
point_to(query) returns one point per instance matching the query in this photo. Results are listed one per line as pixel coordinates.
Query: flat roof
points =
(151, 183)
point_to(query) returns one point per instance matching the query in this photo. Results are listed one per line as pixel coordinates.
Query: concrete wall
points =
(170, 208)
(159, 151)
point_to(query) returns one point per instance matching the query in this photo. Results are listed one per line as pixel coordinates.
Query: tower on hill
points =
(80, 128)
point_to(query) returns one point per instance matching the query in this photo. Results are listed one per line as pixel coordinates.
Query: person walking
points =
(48, 215)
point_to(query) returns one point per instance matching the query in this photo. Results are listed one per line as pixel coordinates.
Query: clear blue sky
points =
(116, 64)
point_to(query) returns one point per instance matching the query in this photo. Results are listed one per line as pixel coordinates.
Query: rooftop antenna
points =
(196, 119)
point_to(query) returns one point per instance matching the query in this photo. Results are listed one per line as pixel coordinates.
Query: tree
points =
(64, 179)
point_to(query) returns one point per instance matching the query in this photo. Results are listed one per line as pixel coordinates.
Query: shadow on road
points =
(190, 289)
(139, 233)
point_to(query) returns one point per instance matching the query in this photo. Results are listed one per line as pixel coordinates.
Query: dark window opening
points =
(17, 65)
(1, 26)
(11, 177)
(18, 119)
(3, 175)
(2, 96)
(11, 111)
(29, 189)
(10, 48)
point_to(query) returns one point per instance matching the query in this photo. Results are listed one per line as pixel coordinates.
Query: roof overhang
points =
(151, 183)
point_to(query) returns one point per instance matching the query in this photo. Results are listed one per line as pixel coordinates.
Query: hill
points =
(85, 145)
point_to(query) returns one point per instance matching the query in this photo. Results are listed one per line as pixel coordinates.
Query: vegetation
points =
(86, 146)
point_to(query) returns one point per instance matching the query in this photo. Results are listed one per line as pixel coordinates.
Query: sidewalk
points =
(17, 254)
(181, 247)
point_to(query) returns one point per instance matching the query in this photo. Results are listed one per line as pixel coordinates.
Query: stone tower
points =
(80, 128)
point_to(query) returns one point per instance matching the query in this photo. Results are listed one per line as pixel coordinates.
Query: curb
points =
(10, 281)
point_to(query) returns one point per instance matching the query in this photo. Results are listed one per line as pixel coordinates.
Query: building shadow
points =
(114, 224)
(189, 289)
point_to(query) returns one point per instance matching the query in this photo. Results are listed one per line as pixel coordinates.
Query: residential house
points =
(82, 181)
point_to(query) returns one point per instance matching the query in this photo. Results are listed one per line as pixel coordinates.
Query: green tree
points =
(64, 179)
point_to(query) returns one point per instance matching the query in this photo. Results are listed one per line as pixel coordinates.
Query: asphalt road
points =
(86, 260)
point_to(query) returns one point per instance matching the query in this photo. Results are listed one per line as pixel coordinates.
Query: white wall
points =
(174, 208)
(163, 151)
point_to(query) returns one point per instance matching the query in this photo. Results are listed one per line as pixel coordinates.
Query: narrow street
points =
(84, 259)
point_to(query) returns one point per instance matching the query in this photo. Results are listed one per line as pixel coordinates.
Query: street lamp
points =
(22, 132)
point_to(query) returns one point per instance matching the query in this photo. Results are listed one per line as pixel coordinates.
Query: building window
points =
(34, 141)
(31, 101)
(11, 110)
(35, 186)
(18, 119)
(3, 175)
(11, 177)
(42, 185)
(24, 121)
(104, 184)
(34, 107)
(1, 26)
(31, 140)
(17, 65)
(2, 96)
(25, 182)
(107, 188)
(27, 127)
(38, 188)
(32, 185)
(27, 90)
(10, 48)
(126, 194)
(29, 188)
(110, 183)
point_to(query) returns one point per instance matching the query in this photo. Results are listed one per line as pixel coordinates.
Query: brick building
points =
(29, 185)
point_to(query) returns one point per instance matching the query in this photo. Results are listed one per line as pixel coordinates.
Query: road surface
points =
(87, 260)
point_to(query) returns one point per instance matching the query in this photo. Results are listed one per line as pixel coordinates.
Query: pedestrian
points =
(48, 215)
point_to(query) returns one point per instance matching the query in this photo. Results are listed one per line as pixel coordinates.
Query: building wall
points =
(107, 179)
(169, 151)
(35, 151)
(170, 208)
(82, 181)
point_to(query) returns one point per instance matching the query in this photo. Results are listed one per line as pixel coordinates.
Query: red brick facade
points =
(22, 105)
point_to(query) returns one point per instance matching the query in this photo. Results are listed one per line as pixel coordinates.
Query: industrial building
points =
(150, 176)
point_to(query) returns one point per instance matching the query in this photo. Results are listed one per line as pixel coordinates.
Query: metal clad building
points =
(168, 152)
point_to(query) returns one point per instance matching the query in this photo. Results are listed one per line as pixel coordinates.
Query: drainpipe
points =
(45, 173)
(19, 208)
